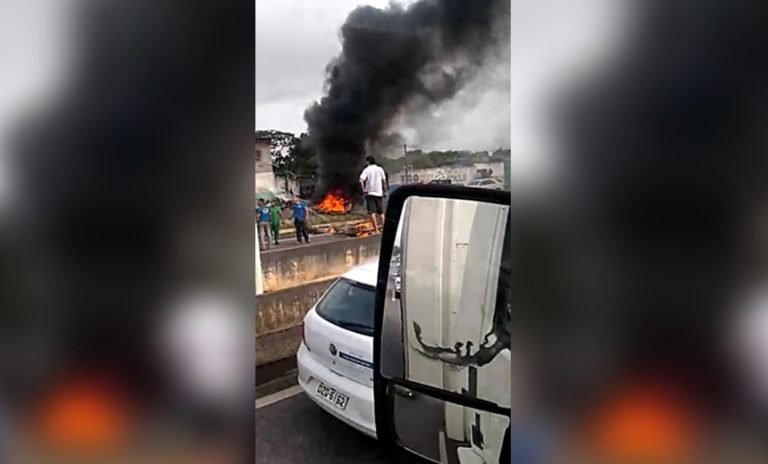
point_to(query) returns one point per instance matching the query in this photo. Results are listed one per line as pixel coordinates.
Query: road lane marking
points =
(279, 396)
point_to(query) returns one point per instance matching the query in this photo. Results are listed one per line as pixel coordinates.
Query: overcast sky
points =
(295, 40)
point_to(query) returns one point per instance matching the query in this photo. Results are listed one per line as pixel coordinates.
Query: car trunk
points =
(346, 353)
(339, 330)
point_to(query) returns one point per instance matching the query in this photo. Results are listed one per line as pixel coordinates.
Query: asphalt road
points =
(296, 431)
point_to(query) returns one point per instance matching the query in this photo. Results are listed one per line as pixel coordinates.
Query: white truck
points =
(455, 316)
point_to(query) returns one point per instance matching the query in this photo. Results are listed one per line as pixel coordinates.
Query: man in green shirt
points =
(275, 214)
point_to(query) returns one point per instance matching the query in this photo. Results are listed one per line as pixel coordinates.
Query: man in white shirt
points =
(373, 180)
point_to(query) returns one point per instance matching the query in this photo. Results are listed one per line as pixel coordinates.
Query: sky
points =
(505, 107)
(295, 40)
(290, 72)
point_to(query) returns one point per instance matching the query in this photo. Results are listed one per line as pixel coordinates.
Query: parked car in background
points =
(335, 358)
(492, 184)
(395, 267)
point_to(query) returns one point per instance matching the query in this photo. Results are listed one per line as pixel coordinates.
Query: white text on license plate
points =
(339, 400)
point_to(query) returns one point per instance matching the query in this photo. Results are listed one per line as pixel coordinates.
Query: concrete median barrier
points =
(286, 308)
(294, 279)
(278, 319)
(315, 262)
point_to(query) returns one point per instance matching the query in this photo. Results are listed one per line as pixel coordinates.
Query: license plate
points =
(330, 394)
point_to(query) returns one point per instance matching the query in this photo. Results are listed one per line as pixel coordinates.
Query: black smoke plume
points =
(393, 58)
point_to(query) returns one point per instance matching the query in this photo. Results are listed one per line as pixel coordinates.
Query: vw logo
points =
(332, 349)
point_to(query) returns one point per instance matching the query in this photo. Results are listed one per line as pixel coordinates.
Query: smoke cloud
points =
(394, 61)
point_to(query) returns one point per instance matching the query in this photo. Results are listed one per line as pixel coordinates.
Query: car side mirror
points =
(442, 361)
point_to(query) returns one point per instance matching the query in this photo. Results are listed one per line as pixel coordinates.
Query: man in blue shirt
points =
(264, 220)
(300, 215)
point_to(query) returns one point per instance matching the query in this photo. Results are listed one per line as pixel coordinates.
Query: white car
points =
(335, 358)
(493, 184)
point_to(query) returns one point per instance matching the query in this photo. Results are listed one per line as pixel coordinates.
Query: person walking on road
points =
(275, 214)
(262, 212)
(300, 216)
(373, 180)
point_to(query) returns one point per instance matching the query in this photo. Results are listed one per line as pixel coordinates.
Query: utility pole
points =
(405, 159)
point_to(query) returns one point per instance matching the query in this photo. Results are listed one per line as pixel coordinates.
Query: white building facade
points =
(457, 174)
(264, 176)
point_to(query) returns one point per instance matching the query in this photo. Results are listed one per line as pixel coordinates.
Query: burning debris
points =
(337, 203)
(394, 60)
(357, 229)
(363, 229)
(334, 202)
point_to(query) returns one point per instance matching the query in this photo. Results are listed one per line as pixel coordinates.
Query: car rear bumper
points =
(359, 412)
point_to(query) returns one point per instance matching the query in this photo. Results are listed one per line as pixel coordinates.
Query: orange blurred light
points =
(83, 416)
(644, 424)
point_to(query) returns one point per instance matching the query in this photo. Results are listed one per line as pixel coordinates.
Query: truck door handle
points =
(404, 392)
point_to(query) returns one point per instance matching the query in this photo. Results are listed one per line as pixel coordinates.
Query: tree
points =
(281, 142)
(292, 156)
(303, 157)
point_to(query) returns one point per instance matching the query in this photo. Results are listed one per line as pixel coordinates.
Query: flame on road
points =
(359, 230)
(363, 230)
(334, 203)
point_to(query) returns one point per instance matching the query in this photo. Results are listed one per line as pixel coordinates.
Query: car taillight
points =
(304, 335)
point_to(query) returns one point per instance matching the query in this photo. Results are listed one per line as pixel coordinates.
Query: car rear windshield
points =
(349, 305)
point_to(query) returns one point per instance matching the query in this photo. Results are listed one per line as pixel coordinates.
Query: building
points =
(264, 175)
(287, 185)
(457, 173)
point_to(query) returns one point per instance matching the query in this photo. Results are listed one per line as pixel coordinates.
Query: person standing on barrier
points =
(373, 181)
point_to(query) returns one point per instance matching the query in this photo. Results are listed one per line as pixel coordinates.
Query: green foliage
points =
(295, 156)
(292, 156)
(420, 159)
(391, 165)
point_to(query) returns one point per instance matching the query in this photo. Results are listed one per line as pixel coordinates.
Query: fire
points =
(334, 203)
(359, 229)
(363, 230)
